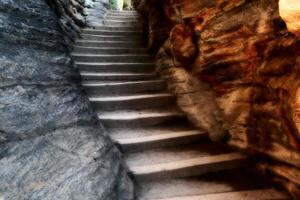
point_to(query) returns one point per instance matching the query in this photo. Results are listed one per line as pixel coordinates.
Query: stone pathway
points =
(166, 156)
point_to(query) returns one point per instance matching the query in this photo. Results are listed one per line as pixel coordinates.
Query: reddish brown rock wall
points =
(235, 70)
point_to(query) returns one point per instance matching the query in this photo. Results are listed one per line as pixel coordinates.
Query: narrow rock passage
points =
(167, 157)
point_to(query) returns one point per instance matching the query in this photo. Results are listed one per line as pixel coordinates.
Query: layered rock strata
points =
(234, 67)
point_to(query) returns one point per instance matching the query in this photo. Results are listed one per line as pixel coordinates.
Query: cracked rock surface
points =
(51, 143)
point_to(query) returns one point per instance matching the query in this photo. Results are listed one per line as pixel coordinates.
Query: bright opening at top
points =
(120, 4)
(290, 13)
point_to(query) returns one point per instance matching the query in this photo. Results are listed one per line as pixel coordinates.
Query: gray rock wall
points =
(51, 143)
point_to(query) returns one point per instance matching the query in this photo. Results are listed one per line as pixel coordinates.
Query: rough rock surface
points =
(51, 143)
(74, 14)
(235, 70)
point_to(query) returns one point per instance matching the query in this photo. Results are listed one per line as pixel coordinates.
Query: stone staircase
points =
(166, 156)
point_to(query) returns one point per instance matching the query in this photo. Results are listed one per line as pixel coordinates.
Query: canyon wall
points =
(51, 143)
(234, 67)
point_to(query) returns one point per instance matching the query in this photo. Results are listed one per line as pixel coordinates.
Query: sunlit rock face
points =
(242, 82)
(290, 12)
(74, 14)
(51, 145)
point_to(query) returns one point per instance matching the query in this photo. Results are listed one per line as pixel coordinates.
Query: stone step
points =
(118, 12)
(123, 23)
(137, 132)
(115, 28)
(105, 38)
(123, 11)
(133, 87)
(117, 76)
(243, 195)
(110, 33)
(122, 44)
(122, 17)
(141, 101)
(214, 183)
(139, 118)
(125, 58)
(116, 67)
(125, 14)
(161, 140)
(108, 50)
(118, 17)
(162, 155)
(186, 165)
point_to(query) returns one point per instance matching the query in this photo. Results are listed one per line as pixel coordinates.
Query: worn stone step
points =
(140, 101)
(127, 19)
(121, 44)
(123, 11)
(123, 23)
(190, 164)
(163, 155)
(110, 33)
(243, 195)
(108, 50)
(124, 58)
(116, 67)
(132, 87)
(104, 38)
(125, 14)
(161, 140)
(213, 183)
(115, 28)
(139, 118)
(117, 76)
(134, 132)
(121, 17)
